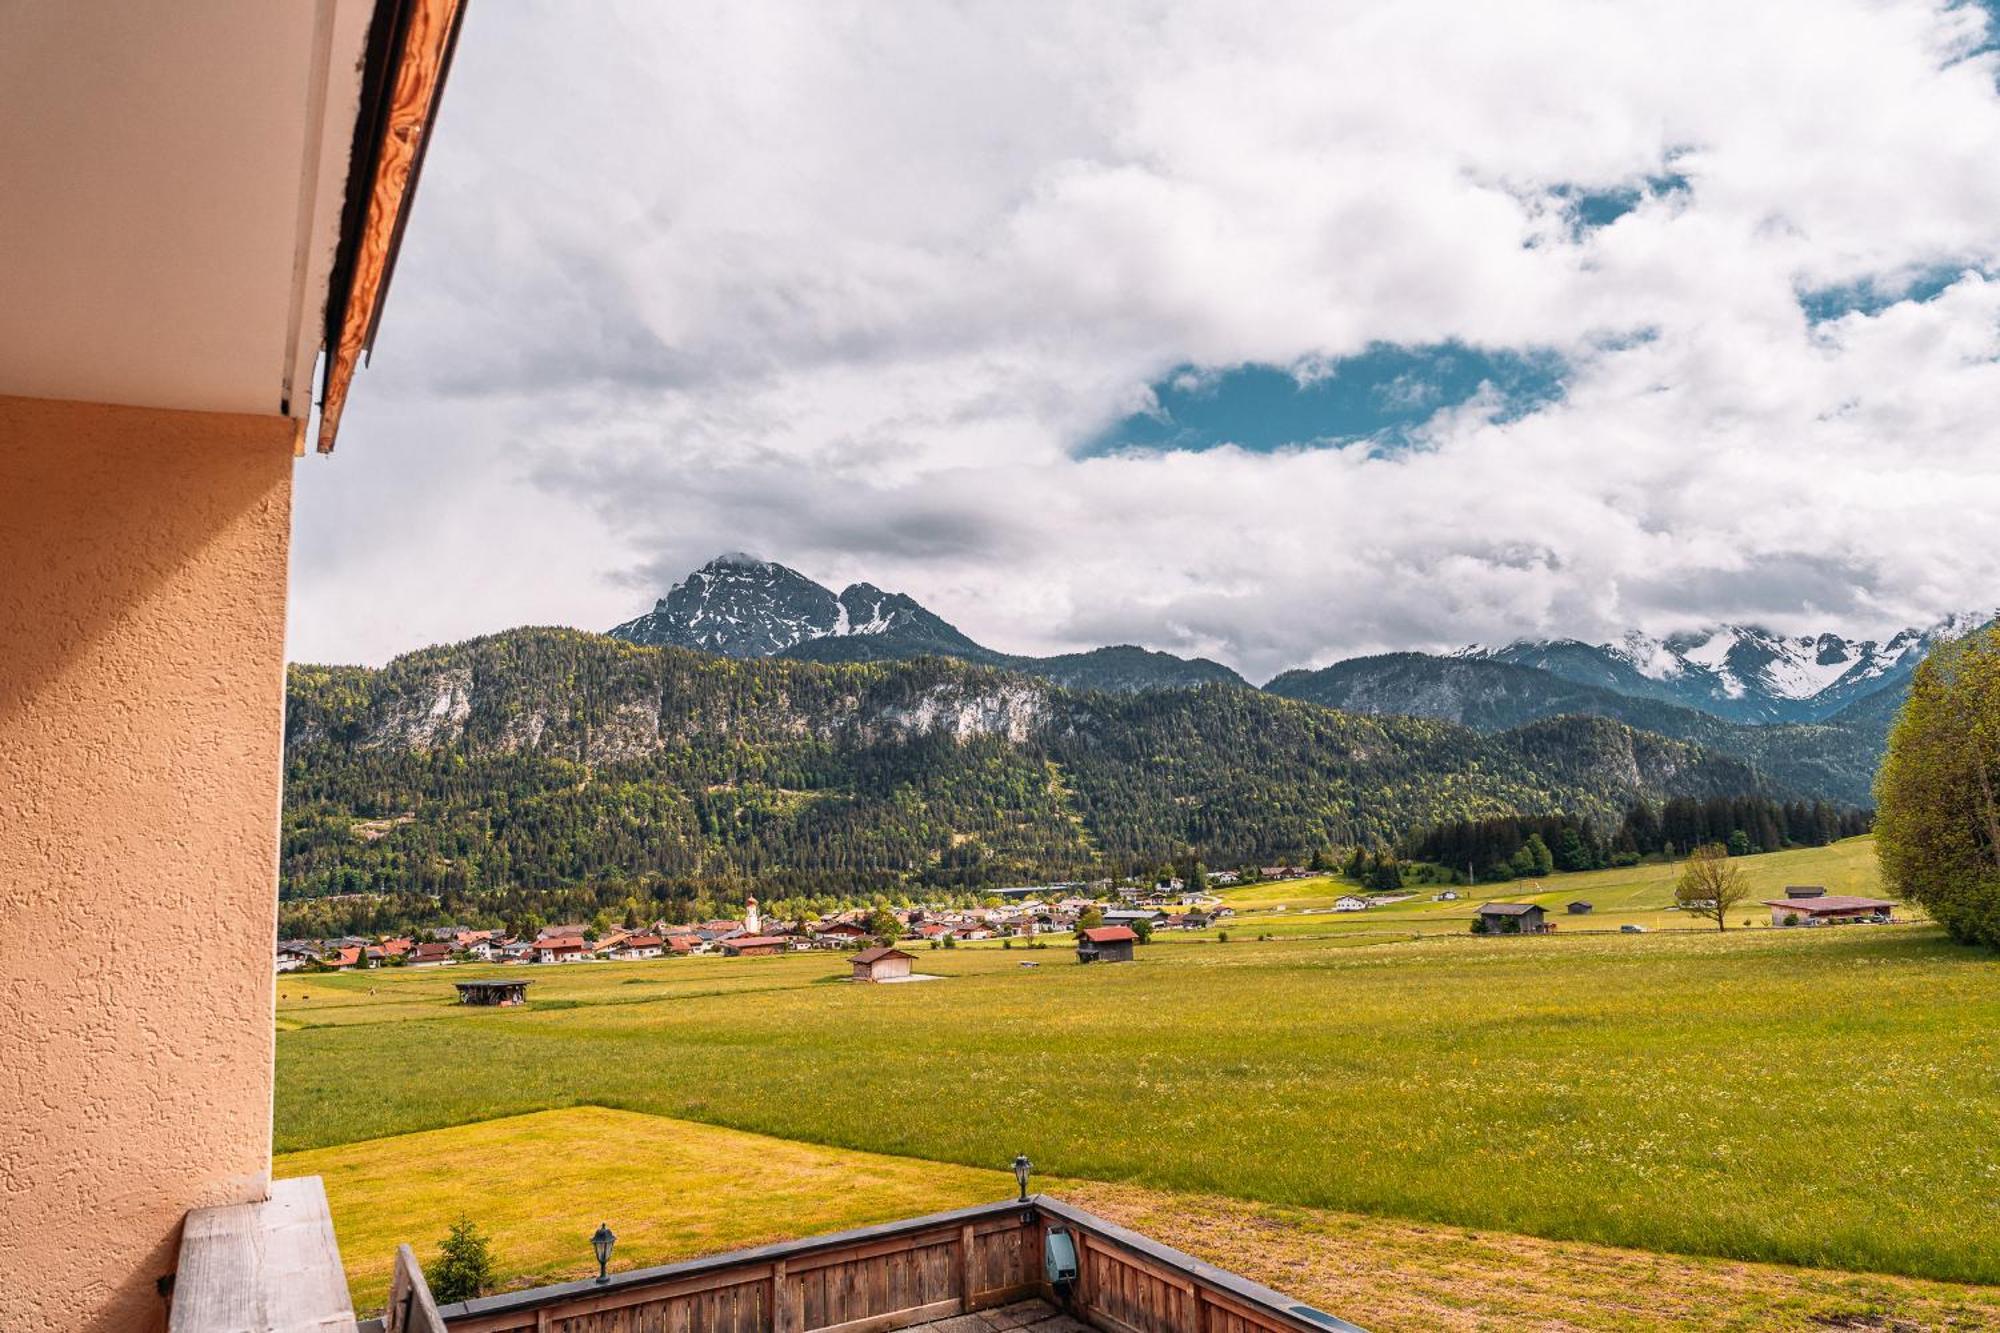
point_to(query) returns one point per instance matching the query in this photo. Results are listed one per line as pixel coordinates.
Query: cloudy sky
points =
(1275, 333)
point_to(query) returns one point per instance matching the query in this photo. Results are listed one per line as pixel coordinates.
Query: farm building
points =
(883, 964)
(493, 992)
(1106, 944)
(1826, 909)
(1511, 919)
(753, 946)
(1805, 890)
(1579, 908)
(1347, 902)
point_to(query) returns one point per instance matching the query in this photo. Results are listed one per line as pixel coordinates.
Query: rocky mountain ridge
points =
(541, 758)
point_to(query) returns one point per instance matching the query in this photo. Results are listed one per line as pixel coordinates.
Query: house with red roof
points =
(753, 946)
(1829, 909)
(562, 949)
(1105, 944)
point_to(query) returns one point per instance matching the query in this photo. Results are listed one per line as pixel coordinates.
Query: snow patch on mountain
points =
(740, 606)
(1739, 671)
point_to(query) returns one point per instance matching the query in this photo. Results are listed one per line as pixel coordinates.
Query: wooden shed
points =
(1512, 919)
(884, 964)
(1105, 944)
(493, 992)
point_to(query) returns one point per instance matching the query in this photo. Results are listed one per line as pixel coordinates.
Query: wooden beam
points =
(428, 28)
(272, 1265)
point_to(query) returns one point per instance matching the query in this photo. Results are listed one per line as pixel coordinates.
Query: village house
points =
(1348, 902)
(1827, 909)
(294, 955)
(886, 963)
(1512, 919)
(1106, 944)
(429, 954)
(635, 947)
(562, 949)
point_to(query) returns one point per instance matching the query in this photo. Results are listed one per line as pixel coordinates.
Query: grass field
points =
(1827, 1097)
(671, 1189)
(1642, 895)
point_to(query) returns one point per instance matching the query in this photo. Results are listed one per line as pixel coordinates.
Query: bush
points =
(464, 1267)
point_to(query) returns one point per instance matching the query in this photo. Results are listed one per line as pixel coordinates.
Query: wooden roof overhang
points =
(410, 45)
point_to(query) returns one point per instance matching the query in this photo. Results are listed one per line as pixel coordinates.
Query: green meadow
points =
(1822, 1097)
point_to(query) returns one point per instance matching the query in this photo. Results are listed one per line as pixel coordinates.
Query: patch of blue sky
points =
(1379, 397)
(1588, 210)
(1874, 294)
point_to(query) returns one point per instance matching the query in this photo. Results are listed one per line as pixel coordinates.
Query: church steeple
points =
(751, 921)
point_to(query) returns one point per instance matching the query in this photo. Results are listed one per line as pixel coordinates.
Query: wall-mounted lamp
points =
(601, 1242)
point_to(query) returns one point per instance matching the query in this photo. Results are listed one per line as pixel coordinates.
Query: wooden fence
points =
(888, 1277)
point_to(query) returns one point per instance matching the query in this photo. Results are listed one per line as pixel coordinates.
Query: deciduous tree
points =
(1938, 794)
(1709, 886)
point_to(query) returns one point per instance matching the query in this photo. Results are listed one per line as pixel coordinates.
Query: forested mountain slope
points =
(1834, 760)
(538, 758)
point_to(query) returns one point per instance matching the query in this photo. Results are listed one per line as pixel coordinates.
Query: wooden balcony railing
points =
(887, 1277)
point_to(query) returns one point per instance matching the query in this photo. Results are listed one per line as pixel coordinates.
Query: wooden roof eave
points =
(410, 46)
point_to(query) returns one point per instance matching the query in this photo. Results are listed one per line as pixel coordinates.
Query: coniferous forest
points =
(563, 773)
(1515, 846)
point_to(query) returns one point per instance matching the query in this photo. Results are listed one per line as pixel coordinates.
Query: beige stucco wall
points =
(142, 618)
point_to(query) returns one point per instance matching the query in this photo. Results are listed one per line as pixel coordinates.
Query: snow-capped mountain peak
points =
(1745, 672)
(740, 606)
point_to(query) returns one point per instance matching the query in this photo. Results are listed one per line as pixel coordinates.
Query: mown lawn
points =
(538, 1184)
(1826, 1097)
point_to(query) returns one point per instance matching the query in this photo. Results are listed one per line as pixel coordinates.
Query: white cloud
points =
(848, 286)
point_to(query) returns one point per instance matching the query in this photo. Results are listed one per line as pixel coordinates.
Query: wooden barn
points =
(884, 964)
(1105, 944)
(1512, 919)
(493, 992)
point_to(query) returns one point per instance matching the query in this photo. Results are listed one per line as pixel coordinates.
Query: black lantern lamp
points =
(602, 1241)
(1022, 1166)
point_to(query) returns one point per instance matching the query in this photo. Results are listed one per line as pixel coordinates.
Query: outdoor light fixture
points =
(1021, 1168)
(602, 1242)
